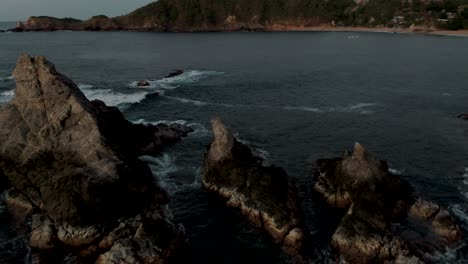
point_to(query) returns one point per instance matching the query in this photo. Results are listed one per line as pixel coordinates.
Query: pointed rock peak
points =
(219, 129)
(223, 141)
(20, 24)
(359, 151)
(37, 78)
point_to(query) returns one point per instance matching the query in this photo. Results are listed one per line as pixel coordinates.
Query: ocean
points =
(292, 97)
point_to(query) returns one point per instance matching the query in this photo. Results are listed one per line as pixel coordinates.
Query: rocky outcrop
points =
(74, 168)
(45, 23)
(143, 83)
(174, 73)
(266, 195)
(376, 202)
(20, 27)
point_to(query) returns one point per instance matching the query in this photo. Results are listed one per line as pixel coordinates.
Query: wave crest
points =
(111, 97)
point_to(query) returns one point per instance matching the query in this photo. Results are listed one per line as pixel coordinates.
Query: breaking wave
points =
(6, 96)
(189, 101)
(111, 97)
(395, 171)
(461, 212)
(165, 169)
(257, 152)
(9, 78)
(351, 108)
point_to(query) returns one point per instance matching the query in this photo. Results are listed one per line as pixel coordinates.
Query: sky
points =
(15, 10)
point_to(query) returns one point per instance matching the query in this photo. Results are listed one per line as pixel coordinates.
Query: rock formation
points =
(266, 195)
(143, 83)
(375, 202)
(174, 73)
(74, 170)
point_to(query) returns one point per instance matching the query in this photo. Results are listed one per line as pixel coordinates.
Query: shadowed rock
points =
(266, 195)
(75, 164)
(377, 201)
(174, 73)
(143, 83)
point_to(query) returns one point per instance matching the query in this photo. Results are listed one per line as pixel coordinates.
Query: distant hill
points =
(233, 15)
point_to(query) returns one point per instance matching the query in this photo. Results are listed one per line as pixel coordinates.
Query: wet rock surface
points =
(76, 177)
(378, 207)
(143, 83)
(265, 195)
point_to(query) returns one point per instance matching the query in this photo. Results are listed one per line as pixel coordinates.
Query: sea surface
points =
(292, 97)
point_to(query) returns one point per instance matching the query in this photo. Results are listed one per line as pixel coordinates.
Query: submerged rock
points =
(266, 195)
(174, 73)
(74, 168)
(143, 83)
(463, 116)
(376, 202)
(20, 27)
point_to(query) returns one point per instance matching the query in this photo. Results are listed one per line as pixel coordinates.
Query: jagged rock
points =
(266, 195)
(143, 83)
(74, 163)
(43, 233)
(20, 27)
(174, 73)
(442, 222)
(375, 200)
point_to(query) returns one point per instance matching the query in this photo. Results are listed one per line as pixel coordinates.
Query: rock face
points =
(375, 202)
(73, 165)
(266, 195)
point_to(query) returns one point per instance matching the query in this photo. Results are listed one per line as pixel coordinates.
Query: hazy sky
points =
(13, 10)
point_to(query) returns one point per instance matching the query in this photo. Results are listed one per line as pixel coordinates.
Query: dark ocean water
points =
(293, 97)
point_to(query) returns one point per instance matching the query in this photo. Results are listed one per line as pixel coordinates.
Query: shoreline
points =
(280, 28)
(419, 31)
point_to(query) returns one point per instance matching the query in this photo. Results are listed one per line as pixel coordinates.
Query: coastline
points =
(421, 31)
(282, 28)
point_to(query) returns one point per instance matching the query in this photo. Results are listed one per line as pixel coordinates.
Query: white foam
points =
(7, 96)
(351, 108)
(162, 167)
(9, 78)
(460, 211)
(85, 86)
(303, 108)
(446, 94)
(395, 171)
(188, 101)
(257, 152)
(111, 97)
(359, 106)
(448, 256)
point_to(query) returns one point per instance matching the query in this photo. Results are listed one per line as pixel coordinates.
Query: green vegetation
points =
(186, 15)
(183, 14)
